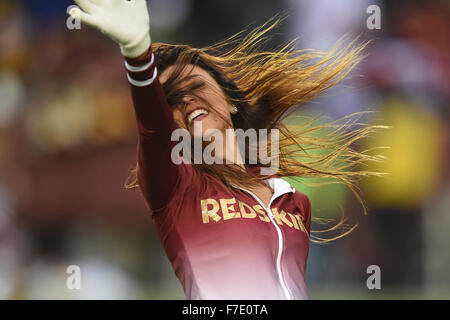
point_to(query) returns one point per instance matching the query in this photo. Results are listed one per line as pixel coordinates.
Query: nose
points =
(187, 99)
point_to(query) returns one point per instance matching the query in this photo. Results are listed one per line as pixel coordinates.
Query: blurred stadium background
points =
(68, 141)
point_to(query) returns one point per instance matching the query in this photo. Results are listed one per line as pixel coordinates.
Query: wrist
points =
(143, 56)
(143, 59)
(137, 48)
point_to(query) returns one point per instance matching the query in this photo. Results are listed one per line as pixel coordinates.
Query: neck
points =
(231, 153)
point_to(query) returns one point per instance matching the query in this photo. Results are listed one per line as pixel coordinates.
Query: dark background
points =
(68, 141)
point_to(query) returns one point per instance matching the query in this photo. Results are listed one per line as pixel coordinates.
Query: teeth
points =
(196, 113)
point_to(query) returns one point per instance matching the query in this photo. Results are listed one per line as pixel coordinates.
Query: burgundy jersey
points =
(222, 243)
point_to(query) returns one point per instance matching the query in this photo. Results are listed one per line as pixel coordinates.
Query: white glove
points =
(125, 21)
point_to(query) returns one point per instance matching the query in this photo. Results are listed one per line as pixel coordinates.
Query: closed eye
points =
(175, 99)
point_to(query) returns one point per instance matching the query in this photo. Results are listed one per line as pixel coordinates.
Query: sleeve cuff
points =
(141, 71)
(140, 60)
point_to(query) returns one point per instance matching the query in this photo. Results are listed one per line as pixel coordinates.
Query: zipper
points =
(280, 240)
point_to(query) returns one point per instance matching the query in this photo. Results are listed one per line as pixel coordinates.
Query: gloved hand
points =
(125, 21)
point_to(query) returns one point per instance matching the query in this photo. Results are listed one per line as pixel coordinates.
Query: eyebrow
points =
(182, 88)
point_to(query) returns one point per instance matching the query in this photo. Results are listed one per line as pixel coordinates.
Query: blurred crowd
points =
(68, 143)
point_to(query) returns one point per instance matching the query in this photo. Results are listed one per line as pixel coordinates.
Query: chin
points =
(209, 124)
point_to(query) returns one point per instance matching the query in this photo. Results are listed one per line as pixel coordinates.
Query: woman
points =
(229, 231)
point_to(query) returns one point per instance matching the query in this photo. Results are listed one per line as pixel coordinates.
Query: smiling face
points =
(206, 104)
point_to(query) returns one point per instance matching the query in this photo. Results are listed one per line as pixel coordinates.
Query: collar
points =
(279, 186)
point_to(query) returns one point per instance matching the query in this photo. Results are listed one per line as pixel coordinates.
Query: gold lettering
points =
(281, 217)
(263, 216)
(210, 213)
(300, 222)
(229, 212)
(294, 220)
(245, 214)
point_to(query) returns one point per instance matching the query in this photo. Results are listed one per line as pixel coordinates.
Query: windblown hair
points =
(267, 86)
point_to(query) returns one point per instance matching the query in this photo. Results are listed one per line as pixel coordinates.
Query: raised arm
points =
(158, 176)
(127, 23)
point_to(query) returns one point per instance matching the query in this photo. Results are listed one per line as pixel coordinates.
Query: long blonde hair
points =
(266, 86)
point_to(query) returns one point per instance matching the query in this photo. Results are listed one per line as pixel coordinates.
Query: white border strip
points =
(141, 68)
(143, 83)
(275, 195)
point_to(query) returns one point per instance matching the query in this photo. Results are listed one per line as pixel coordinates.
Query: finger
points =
(85, 5)
(84, 17)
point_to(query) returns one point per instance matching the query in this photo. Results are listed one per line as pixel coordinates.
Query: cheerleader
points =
(229, 231)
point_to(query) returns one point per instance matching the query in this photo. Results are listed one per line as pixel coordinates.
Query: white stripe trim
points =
(283, 188)
(141, 68)
(143, 83)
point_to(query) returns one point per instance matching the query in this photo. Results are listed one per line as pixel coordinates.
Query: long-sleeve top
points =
(222, 243)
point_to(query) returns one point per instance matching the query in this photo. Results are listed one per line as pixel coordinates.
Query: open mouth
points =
(197, 115)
